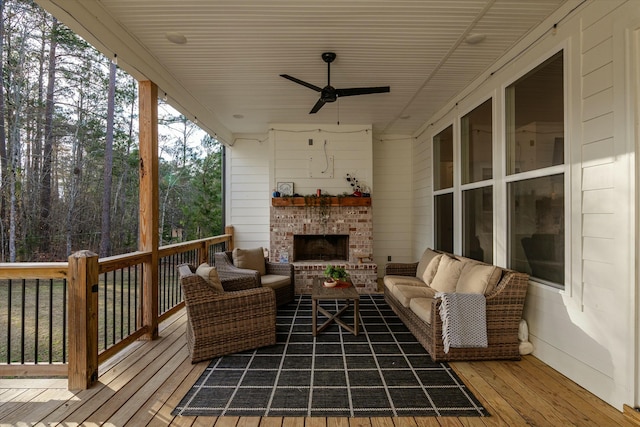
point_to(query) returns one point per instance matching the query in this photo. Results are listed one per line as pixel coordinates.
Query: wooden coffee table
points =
(320, 292)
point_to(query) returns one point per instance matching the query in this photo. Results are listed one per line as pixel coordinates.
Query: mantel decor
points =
(313, 201)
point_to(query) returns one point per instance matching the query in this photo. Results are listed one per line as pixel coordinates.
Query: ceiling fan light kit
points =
(329, 93)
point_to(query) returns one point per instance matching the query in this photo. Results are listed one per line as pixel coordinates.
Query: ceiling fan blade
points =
(301, 82)
(362, 90)
(316, 107)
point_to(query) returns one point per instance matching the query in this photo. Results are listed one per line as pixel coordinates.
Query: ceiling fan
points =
(329, 93)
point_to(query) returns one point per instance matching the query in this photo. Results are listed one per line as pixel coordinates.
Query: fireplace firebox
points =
(320, 247)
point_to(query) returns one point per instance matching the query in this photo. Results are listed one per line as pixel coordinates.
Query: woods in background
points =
(69, 150)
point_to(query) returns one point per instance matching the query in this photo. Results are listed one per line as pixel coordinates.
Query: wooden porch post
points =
(83, 320)
(149, 203)
(229, 230)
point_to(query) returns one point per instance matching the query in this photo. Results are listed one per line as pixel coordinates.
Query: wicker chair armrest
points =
(401, 269)
(234, 278)
(231, 306)
(282, 269)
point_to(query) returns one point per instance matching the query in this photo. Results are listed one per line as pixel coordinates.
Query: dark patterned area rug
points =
(383, 371)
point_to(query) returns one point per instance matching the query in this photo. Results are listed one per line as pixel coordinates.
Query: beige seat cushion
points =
(425, 259)
(210, 275)
(421, 307)
(446, 277)
(275, 281)
(252, 259)
(477, 278)
(431, 270)
(390, 282)
(405, 293)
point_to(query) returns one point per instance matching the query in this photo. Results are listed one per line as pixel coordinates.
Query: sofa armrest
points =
(401, 269)
(281, 269)
(232, 277)
(504, 306)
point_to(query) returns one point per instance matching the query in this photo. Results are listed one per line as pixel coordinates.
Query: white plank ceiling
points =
(227, 72)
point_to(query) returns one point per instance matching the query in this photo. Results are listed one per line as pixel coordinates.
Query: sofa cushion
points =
(210, 275)
(405, 293)
(447, 275)
(431, 270)
(275, 281)
(391, 281)
(426, 258)
(252, 259)
(477, 278)
(421, 307)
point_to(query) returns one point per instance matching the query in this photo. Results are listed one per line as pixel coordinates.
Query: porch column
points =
(149, 203)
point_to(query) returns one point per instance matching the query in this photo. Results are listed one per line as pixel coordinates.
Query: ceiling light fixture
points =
(475, 38)
(175, 37)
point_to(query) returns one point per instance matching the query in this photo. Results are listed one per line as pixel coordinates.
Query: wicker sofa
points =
(221, 322)
(407, 290)
(277, 276)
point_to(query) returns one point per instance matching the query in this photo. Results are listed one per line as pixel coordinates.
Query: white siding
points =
(249, 191)
(587, 331)
(393, 201)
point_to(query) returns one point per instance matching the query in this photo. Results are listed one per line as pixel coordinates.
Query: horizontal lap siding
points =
(392, 204)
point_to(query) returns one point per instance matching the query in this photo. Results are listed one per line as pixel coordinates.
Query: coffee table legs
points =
(335, 317)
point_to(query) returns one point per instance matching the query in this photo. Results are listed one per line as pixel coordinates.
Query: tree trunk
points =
(45, 188)
(3, 144)
(105, 236)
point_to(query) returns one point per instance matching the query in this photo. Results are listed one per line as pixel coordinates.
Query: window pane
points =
(443, 159)
(535, 118)
(477, 136)
(477, 224)
(536, 220)
(444, 222)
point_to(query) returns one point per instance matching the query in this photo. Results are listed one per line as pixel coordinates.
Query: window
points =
(536, 219)
(444, 222)
(535, 118)
(534, 107)
(477, 224)
(476, 139)
(443, 159)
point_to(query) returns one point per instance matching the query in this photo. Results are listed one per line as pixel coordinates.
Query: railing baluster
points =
(9, 317)
(64, 321)
(22, 320)
(36, 326)
(50, 359)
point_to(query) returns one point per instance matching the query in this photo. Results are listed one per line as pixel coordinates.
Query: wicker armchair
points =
(228, 322)
(285, 291)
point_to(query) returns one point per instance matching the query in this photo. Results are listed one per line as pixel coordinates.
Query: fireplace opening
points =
(320, 247)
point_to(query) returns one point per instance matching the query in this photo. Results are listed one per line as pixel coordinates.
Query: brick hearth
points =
(355, 221)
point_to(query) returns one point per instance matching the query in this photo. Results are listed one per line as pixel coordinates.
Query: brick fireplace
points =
(299, 220)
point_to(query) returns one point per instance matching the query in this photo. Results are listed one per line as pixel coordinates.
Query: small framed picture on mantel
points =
(285, 188)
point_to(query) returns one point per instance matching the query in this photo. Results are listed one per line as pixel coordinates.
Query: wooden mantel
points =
(316, 201)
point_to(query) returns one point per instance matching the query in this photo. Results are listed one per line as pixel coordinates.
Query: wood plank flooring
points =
(142, 385)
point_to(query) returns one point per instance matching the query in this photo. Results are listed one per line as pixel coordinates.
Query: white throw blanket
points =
(464, 320)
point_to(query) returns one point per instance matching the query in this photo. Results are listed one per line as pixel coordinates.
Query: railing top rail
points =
(117, 262)
(33, 270)
(192, 244)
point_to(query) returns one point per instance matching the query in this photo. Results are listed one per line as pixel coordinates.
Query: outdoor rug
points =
(383, 371)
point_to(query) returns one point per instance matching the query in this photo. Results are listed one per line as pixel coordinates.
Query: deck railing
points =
(46, 307)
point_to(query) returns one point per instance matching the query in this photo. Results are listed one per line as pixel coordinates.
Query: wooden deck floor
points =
(142, 386)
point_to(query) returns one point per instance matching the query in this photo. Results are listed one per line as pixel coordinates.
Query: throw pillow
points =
(425, 259)
(447, 275)
(210, 275)
(252, 259)
(476, 278)
(431, 270)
